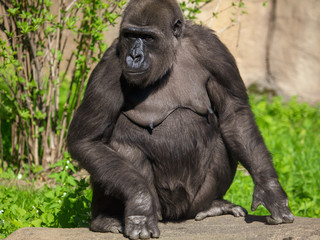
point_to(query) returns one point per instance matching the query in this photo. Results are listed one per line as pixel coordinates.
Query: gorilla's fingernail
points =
(273, 221)
(151, 126)
(288, 218)
(210, 110)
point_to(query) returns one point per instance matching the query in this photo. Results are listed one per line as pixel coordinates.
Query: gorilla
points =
(164, 120)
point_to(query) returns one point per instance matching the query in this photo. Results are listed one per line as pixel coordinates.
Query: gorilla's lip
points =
(132, 72)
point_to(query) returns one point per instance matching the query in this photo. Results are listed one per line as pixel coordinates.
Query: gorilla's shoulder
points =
(198, 32)
(196, 29)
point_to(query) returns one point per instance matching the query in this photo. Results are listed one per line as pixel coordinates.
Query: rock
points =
(276, 47)
(222, 227)
(247, 39)
(295, 48)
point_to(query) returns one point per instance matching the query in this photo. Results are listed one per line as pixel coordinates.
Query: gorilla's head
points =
(149, 35)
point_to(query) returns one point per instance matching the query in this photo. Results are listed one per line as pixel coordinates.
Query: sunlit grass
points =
(292, 134)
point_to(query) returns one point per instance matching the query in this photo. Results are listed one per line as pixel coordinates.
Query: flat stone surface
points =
(222, 228)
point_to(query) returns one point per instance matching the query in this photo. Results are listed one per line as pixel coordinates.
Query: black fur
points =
(164, 120)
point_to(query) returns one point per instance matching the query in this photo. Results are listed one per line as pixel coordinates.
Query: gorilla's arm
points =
(90, 132)
(239, 130)
(96, 116)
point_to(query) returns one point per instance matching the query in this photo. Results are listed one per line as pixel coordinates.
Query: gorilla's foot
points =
(221, 207)
(103, 223)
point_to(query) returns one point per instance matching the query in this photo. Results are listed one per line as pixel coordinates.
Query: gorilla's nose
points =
(135, 58)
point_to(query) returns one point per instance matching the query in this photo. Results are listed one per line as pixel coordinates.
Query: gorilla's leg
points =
(110, 214)
(105, 223)
(209, 201)
(107, 212)
(221, 207)
(140, 162)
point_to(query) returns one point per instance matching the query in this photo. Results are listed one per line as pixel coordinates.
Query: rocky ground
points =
(222, 228)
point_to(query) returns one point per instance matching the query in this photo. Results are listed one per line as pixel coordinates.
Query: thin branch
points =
(70, 5)
(1, 144)
(217, 6)
(5, 4)
(215, 12)
(8, 85)
(34, 53)
(227, 27)
(239, 30)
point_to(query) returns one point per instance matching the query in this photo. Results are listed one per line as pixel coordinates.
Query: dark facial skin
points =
(164, 121)
(147, 52)
(137, 64)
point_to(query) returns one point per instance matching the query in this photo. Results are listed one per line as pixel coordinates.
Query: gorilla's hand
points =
(141, 218)
(272, 196)
(141, 227)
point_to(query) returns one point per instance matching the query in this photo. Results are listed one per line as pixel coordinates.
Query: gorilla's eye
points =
(148, 38)
(128, 35)
(133, 36)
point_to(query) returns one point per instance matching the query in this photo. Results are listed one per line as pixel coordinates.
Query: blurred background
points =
(48, 49)
(276, 47)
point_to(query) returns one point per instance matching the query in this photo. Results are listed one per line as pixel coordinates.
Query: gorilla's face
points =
(147, 44)
(143, 54)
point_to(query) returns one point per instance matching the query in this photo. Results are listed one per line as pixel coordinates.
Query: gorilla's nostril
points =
(137, 58)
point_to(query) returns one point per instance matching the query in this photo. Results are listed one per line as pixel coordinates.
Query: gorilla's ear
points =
(177, 28)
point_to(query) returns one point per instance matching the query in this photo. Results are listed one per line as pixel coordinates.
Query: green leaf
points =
(47, 218)
(25, 114)
(51, 17)
(59, 57)
(36, 223)
(41, 129)
(49, 194)
(48, 3)
(72, 168)
(25, 14)
(17, 223)
(40, 115)
(13, 11)
(241, 4)
(71, 180)
(24, 27)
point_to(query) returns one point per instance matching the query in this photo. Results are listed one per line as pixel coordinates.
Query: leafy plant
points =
(35, 60)
(65, 203)
(191, 8)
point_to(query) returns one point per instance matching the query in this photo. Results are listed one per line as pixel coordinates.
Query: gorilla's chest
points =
(184, 87)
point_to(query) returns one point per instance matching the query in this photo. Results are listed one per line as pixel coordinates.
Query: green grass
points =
(65, 204)
(291, 132)
(47, 207)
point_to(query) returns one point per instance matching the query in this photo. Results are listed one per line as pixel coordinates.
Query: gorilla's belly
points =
(180, 151)
(181, 156)
(183, 135)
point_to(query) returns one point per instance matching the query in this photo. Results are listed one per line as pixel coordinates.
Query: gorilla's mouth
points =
(135, 73)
